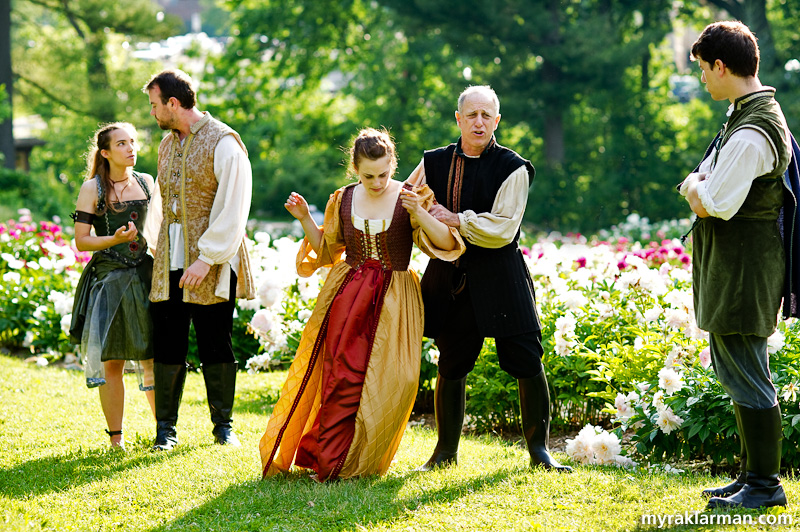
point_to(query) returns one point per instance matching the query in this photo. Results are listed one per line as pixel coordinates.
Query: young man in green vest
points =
(738, 256)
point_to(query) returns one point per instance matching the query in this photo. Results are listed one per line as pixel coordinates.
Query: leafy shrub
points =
(39, 271)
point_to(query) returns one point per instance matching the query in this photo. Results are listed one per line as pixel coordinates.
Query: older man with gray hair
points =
(482, 189)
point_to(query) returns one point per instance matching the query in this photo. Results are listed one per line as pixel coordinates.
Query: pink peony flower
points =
(705, 357)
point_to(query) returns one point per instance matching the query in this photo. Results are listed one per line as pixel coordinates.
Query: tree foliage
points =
(301, 91)
(584, 87)
(72, 65)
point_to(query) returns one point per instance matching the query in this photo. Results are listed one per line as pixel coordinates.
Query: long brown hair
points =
(97, 165)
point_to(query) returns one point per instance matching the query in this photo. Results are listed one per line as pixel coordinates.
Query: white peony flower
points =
(66, 321)
(39, 313)
(679, 299)
(566, 324)
(262, 237)
(677, 318)
(653, 282)
(668, 421)
(29, 338)
(624, 409)
(653, 313)
(12, 261)
(304, 314)
(580, 449)
(658, 401)
(262, 322)
(606, 448)
(573, 299)
(670, 380)
(680, 275)
(624, 461)
(775, 342)
(12, 277)
(605, 311)
(308, 287)
(269, 295)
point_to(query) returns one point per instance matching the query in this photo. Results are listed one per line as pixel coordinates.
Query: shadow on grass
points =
(295, 502)
(248, 401)
(59, 473)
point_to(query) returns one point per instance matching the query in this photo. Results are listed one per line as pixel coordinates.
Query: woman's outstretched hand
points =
(297, 206)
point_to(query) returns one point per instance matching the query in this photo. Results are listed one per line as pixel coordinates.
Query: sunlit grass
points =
(56, 473)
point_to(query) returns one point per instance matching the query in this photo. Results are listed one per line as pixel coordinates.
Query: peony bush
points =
(39, 268)
(623, 355)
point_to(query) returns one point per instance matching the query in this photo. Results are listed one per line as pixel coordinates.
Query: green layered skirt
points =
(111, 315)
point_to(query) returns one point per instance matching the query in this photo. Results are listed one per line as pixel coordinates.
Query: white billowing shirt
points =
(498, 227)
(747, 155)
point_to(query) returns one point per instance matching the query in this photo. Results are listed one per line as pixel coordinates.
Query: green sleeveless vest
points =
(738, 264)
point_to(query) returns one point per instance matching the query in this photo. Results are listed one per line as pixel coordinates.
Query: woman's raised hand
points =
(297, 206)
(411, 202)
(126, 233)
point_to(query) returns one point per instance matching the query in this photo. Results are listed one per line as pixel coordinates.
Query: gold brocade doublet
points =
(188, 188)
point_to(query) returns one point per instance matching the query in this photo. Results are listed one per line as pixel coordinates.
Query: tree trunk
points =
(104, 102)
(553, 109)
(554, 135)
(6, 79)
(755, 16)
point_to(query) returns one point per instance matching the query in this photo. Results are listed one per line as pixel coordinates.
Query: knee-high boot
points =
(169, 380)
(739, 482)
(449, 403)
(534, 401)
(762, 437)
(220, 389)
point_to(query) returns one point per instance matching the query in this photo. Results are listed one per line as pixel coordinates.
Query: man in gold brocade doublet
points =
(197, 228)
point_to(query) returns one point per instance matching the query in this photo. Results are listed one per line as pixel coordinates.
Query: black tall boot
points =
(449, 402)
(220, 389)
(739, 482)
(534, 402)
(169, 380)
(762, 437)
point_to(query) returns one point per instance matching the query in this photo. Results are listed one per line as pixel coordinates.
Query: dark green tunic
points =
(738, 264)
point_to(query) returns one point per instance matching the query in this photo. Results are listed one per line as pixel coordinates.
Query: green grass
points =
(56, 473)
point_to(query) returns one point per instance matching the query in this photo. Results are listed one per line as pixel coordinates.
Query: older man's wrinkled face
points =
(477, 120)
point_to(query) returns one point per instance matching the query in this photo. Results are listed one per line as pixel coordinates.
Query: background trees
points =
(585, 86)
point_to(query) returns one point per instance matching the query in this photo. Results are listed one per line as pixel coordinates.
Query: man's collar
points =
(200, 123)
(489, 148)
(194, 128)
(744, 101)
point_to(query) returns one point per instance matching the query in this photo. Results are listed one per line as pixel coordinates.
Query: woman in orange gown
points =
(353, 381)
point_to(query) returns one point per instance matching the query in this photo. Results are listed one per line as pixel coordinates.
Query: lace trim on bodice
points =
(386, 241)
(370, 229)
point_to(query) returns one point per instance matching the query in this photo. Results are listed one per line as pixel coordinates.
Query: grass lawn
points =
(56, 473)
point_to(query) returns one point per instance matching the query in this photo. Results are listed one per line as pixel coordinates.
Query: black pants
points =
(213, 325)
(460, 345)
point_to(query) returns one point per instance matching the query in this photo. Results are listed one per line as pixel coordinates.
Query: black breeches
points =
(213, 325)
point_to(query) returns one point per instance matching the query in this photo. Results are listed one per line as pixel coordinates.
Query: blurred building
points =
(188, 10)
(26, 131)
